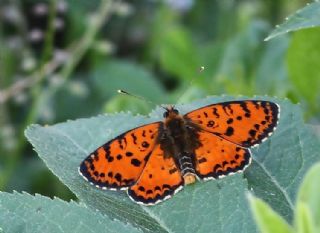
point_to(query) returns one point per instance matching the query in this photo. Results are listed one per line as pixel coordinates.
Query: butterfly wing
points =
(245, 122)
(119, 163)
(217, 157)
(159, 180)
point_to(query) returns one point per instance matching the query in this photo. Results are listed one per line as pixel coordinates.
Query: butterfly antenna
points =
(190, 83)
(140, 98)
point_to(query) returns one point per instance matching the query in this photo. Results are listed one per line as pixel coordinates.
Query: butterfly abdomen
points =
(186, 163)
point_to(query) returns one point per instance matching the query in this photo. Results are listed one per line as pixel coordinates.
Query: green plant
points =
(216, 206)
(306, 212)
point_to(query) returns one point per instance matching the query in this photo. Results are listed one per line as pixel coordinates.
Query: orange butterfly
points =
(154, 161)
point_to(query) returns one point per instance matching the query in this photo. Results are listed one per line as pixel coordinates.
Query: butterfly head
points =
(170, 112)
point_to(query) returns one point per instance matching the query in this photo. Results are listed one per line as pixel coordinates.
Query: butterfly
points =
(155, 161)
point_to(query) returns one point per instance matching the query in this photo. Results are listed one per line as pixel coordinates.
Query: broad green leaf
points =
(120, 102)
(116, 74)
(267, 219)
(178, 55)
(309, 197)
(303, 61)
(236, 67)
(172, 45)
(303, 219)
(217, 206)
(307, 17)
(271, 77)
(27, 213)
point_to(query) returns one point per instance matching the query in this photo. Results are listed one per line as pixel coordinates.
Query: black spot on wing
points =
(135, 162)
(210, 124)
(129, 154)
(120, 143)
(256, 104)
(229, 121)
(173, 170)
(229, 131)
(202, 160)
(215, 112)
(252, 132)
(134, 138)
(118, 177)
(145, 144)
(244, 107)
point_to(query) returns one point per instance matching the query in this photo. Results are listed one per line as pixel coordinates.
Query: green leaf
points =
(267, 219)
(216, 206)
(309, 199)
(307, 17)
(120, 102)
(303, 61)
(240, 56)
(115, 74)
(271, 77)
(173, 45)
(27, 213)
(178, 55)
(303, 219)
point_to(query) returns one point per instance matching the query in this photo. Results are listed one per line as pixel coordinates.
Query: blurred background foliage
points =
(62, 60)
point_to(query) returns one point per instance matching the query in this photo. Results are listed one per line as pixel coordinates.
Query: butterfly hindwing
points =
(245, 122)
(119, 163)
(218, 157)
(159, 180)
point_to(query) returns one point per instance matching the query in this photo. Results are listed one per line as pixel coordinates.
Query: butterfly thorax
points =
(178, 139)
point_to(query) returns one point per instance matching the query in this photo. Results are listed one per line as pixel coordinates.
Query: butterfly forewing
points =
(245, 122)
(119, 163)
